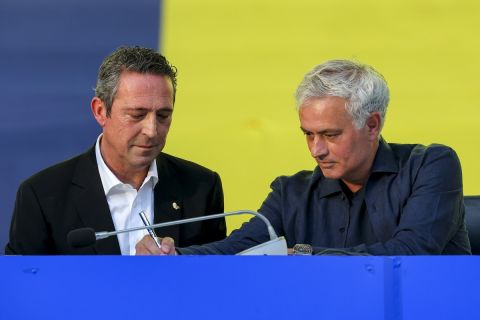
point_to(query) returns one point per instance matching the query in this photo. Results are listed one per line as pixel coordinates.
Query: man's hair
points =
(364, 89)
(136, 59)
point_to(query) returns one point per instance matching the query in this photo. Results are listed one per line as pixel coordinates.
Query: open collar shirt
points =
(125, 202)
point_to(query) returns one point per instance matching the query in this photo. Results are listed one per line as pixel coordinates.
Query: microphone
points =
(84, 237)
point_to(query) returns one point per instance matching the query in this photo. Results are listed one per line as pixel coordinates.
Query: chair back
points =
(472, 220)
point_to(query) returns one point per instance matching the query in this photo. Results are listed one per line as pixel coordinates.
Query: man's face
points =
(341, 150)
(136, 130)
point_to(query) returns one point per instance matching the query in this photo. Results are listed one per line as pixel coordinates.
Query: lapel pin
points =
(175, 206)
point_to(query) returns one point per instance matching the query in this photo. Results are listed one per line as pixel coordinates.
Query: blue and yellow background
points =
(239, 63)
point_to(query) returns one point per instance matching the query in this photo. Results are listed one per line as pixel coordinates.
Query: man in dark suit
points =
(125, 173)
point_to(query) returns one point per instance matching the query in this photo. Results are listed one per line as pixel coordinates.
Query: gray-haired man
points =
(365, 196)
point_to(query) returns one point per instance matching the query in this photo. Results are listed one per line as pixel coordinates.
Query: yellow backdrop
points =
(239, 63)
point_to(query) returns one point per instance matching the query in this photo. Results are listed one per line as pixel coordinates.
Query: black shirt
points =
(350, 222)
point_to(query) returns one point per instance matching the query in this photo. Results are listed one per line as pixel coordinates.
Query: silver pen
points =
(151, 232)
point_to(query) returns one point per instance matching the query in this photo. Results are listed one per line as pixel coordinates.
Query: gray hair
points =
(364, 89)
(137, 59)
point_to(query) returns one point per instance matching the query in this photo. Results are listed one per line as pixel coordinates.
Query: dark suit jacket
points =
(70, 195)
(414, 200)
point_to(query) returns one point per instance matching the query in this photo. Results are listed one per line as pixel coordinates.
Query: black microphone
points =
(84, 237)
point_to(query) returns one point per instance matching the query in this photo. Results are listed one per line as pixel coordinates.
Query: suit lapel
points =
(91, 203)
(168, 203)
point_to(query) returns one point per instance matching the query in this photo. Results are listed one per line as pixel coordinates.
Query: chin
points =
(143, 162)
(331, 174)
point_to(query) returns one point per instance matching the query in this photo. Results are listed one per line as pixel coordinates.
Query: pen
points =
(151, 232)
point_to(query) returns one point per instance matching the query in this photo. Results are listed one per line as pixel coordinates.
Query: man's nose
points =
(318, 147)
(150, 125)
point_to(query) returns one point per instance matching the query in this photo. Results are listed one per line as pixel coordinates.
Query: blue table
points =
(233, 287)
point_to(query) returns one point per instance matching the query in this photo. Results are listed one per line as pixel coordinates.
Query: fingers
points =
(147, 246)
(168, 246)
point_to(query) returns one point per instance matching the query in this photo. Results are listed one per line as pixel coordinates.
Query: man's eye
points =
(331, 135)
(137, 116)
(163, 116)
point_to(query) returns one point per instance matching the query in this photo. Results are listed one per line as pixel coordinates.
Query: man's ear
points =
(374, 125)
(99, 111)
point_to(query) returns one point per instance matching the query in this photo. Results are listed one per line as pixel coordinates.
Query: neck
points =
(363, 172)
(354, 187)
(133, 178)
(129, 175)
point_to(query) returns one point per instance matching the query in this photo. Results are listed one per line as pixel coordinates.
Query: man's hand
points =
(147, 246)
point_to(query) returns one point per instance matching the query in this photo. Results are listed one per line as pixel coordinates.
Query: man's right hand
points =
(147, 246)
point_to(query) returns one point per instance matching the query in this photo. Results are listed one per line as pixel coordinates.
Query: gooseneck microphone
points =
(84, 237)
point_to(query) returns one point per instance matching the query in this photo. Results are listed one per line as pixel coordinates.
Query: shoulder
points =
(298, 181)
(432, 165)
(58, 175)
(419, 150)
(420, 155)
(171, 165)
(288, 191)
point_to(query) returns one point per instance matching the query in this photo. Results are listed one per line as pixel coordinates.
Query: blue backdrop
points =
(50, 51)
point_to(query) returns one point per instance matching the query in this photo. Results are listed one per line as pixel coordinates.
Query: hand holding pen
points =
(151, 232)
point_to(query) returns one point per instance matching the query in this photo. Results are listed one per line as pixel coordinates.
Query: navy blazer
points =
(70, 195)
(413, 196)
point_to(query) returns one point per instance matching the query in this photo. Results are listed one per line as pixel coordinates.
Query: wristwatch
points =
(301, 249)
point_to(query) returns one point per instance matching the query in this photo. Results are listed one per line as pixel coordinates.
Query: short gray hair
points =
(364, 89)
(137, 59)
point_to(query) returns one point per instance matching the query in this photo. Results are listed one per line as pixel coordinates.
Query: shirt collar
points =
(384, 159)
(110, 180)
(384, 162)
(326, 186)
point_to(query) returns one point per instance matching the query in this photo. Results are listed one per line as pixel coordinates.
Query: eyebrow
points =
(322, 131)
(162, 109)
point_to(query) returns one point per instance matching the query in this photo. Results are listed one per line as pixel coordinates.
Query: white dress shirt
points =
(125, 202)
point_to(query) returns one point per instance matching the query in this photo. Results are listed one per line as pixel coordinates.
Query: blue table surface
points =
(233, 287)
